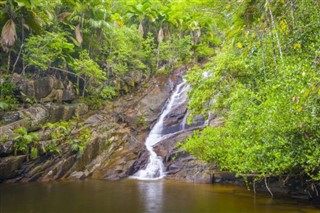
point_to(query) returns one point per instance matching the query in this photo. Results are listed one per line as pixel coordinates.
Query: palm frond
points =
(8, 35)
(160, 35)
(140, 29)
(63, 16)
(78, 35)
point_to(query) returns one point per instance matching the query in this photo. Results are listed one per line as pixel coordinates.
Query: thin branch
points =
(9, 59)
(66, 71)
(266, 183)
(274, 27)
(15, 63)
(292, 11)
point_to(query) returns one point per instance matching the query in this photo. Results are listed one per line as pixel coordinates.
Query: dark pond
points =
(139, 196)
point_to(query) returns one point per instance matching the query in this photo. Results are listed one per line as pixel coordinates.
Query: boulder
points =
(10, 166)
(119, 160)
(34, 117)
(77, 175)
(6, 148)
(58, 112)
(181, 165)
(31, 118)
(10, 117)
(47, 89)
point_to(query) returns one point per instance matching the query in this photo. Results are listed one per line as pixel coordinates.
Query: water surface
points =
(94, 196)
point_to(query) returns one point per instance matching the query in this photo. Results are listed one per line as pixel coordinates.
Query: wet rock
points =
(224, 177)
(189, 169)
(50, 170)
(181, 165)
(6, 148)
(92, 151)
(176, 115)
(167, 148)
(119, 164)
(94, 119)
(59, 112)
(10, 166)
(34, 117)
(47, 89)
(216, 122)
(31, 118)
(77, 175)
(141, 162)
(147, 109)
(10, 117)
(64, 167)
(151, 105)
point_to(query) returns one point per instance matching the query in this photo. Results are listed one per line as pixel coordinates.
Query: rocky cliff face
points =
(116, 149)
(46, 89)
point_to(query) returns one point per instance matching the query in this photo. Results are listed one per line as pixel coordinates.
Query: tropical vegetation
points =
(256, 63)
(264, 83)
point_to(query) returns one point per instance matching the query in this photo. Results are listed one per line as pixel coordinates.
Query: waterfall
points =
(154, 169)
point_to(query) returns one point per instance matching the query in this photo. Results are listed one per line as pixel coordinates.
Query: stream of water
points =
(154, 169)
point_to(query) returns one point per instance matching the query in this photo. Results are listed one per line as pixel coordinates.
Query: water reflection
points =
(151, 195)
(139, 197)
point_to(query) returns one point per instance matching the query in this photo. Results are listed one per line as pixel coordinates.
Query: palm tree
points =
(89, 17)
(142, 11)
(16, 12)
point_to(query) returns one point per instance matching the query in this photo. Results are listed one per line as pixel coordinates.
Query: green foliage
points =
(79, 144)
(175, 51)
(140, 122)
(97, 41)
(88, 69)
(26, 142)
(59, 130)
(53, 148)
(4, 138)
(266, 85)
(107, 93)
(126, 52)
(92, 101)
(97, 99)
(9, 94)
(67, 132)
(4, 106)
(203, 51)
(44, 51)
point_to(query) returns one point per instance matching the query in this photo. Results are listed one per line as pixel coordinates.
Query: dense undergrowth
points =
(264, 81)
(262, 77)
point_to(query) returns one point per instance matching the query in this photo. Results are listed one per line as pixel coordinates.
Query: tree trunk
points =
(275, 29)
(9, 59)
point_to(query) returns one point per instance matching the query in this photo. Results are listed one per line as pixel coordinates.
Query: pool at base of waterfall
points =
(94, 196)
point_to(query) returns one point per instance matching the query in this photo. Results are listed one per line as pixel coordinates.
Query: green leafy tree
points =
(142, 11)
(48, 50)
(89, 70)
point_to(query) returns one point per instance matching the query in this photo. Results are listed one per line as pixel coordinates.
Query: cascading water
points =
(154, 169)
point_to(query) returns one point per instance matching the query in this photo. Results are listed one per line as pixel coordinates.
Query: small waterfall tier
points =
(154, 169)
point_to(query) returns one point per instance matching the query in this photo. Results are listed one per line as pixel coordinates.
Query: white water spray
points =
(154, 169)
